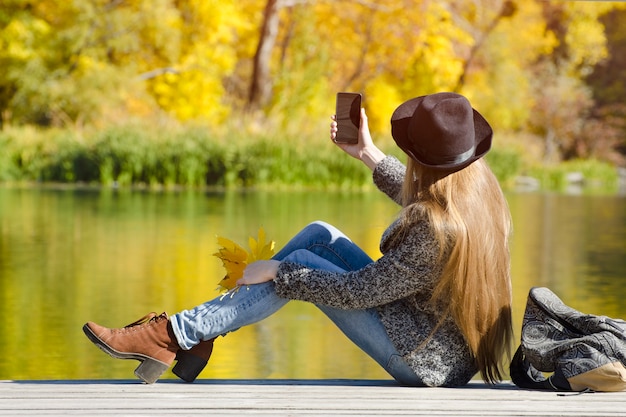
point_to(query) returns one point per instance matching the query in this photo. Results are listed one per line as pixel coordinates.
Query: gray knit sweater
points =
(398, 286)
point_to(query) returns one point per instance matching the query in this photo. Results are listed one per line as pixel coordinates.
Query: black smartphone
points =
(348, 117)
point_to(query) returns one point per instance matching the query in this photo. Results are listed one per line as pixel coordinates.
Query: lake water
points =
(72, 255)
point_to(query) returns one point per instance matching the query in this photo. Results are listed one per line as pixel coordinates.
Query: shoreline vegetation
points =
(191, 157)
(236, 95)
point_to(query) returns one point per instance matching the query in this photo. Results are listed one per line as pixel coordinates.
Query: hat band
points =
(444, 161)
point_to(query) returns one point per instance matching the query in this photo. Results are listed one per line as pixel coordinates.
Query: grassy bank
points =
(191, 157)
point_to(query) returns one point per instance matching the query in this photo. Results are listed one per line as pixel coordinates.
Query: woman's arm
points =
(410, 267)
(365, 151)
(389, 176)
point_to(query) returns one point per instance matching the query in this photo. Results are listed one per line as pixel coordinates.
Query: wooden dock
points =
(292, 398)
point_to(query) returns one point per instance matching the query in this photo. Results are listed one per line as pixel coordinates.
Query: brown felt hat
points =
(441, 131)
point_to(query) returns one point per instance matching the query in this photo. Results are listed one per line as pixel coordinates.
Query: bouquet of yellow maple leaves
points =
(235, 258)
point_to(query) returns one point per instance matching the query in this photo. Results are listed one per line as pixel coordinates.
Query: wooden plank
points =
(292, 398)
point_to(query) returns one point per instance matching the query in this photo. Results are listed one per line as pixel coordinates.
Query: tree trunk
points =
(261, 85)
(551, 154)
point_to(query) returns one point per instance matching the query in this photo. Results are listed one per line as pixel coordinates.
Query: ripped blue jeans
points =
(319, 245)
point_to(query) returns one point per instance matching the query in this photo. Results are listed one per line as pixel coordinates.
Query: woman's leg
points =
(226, 313)
(329, 243)
(321, 246)
(363, 327)
(256, 302)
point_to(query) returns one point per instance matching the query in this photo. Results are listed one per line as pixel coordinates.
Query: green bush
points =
(587, 174)
(506, 164)
(189, 157)
(194, 157)
(9, 171)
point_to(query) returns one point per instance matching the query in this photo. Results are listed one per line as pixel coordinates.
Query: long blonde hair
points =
(471, 221)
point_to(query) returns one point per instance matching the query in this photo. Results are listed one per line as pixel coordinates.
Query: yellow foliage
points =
(211, 31)
(194, 58)
(443, 39)
(585, 33)
(235, 258)
(384, 98)
(499, 85)
(20, 36)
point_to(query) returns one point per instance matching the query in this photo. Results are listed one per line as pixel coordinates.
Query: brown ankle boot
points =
(149, 340)
(191, 362)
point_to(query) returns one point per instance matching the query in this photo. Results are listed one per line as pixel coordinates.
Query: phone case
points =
(348, 117)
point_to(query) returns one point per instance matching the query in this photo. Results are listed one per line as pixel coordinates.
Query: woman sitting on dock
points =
(434, 310)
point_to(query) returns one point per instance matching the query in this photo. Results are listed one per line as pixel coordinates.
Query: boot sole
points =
(148, 370)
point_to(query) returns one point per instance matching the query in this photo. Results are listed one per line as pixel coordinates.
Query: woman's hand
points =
(259, 272)
(364, 150)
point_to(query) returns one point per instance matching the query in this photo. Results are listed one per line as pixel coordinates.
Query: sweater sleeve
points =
(388, 175)
(406, 269)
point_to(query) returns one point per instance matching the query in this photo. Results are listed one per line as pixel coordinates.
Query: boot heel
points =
(188, 366)
(150, 370)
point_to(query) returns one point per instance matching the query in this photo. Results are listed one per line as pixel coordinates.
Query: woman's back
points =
(471, 221)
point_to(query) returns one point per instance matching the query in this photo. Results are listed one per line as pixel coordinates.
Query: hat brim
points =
(400, 133)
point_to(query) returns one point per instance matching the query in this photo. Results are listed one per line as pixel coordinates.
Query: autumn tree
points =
(261, 80)
(564, 103)
(68, 61)
(479, 28)
(608, 83)
(525, 64)
(561, 109)
(212, 37)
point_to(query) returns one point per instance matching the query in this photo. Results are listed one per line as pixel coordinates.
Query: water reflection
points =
(67, 256)
(575, 245)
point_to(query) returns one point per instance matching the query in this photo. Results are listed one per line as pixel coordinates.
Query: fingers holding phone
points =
(351, 132)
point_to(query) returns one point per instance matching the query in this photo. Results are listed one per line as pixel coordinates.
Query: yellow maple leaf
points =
(235, 258)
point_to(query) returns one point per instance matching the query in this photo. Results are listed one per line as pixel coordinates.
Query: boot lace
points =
(146, 319)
